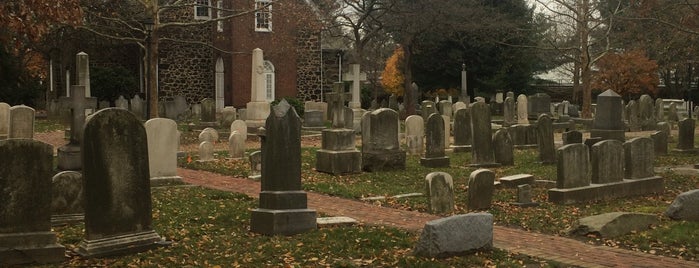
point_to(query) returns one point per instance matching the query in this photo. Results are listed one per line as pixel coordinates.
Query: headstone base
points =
(282, 222)
(339, 162)
(165, 181)
(608, 134)
(525, 205)
(593, 192)
(460, 148)
(27, 248)
(65, 219)
(484, 165)
(435, 162)
(383, 160)
(121, 244)
(69, 157)
(686, 151)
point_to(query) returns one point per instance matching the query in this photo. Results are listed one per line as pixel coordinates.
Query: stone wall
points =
(308, 81)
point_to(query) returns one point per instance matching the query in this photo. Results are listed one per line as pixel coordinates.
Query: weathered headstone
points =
(228, 115)
(206, 151)
(445, 108)
(639, 156)
(414, 134)
(69, 155)
(632, 114)
(524, 196)
(236, 145)
(509, 112)
(67, 198)
(685, 135)
(462, 131)
(380, 146)
(540, 103)
(25, 204)
(482, 147)
(181, 106)
(665, 127)
(659, 110)
(21, 122)
(646, 112)
(685, 207)
(456, 235)
(255, 165)
(547, 149)
(393, 102)
(117, 186)
(428, 108)
(672, 115)
(4, 120)
(614, 224)
(440, 192)
(163, 144)
(283, 204)
(338, 154)
(503, 147)
(121, 103)
(313, 119)
(572, 136)
(336, 103)
(659, 142)
(608, 123)
(208, 134)
(434, 143)
(607, 159)
(208, 112)
(573, 166)
(239, 126)
(138, 107)
(447, 131)
(258, 108)
(522, 112)
(481, 186)
(458, 106)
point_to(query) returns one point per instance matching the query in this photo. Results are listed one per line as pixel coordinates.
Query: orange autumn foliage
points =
(392, 78)
(627, 73)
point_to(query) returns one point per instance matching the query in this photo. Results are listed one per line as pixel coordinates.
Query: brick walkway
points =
(555, 248)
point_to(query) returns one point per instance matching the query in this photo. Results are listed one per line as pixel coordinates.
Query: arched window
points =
(269, 80)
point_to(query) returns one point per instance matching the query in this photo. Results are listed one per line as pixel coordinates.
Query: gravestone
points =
(608, 123)
(573, 166)
(447, 131)
(206, 151)
(462, 131)
(69, 154)
(458, 106)
(414, 134)
(685, 136)
(208, 134)
(181, 107)
(665, 127)
(659, 110)
(482, 147)
(434, 143)
(239, 126)
(672, 115)
(138, 107)
(440, 192)
(522, 112)
(646, 112)
(67, 198)
(208, 112)
(607, 159)
(163, 144)
(313, 119)
(524, 196)
(639, 157)
(236, 145)
(103, 105)
(480, 189)
(258, 108)
(380, 147)
(632, 113)
(503, 147)
(428, 108)
(572, 136)
(25, 204)
(509, 112)
(4, 120)
(445, 108)
(524, 136)
(356, 77)
(117, 186)
(547, 149)
(336, 102)
(21, 122)
(539, 103)
(283, 204)
(393, 102)
(455, 235)
(659, 142)
(121, 103)
(338, 154)
(228, 115)
(255, 165)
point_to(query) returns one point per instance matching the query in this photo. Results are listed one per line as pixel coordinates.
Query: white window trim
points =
(219, 14)
(200, 4)
(268, 10)
(268, 73)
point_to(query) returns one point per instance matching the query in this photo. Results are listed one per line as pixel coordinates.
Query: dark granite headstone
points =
(685, 135)
(480, 189)
(482, 149)
(434, 143)
(659, 142)
(503, 147)
(608, 123)
(117, 185)
(607, 159)
(572, 136)
(462, 131)
(547, 149)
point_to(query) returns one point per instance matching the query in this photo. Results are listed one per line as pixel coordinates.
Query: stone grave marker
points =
(206, 151)
(240, 126)
(522, 112)
(685, 135)
(573, 166)
(25, 204)
(547, 148)
(121, 103)
(573, 136)
(607, 159)
(338, 154)
(21, 122)
(672, 115)
(480, 189)
(462, 131)
(255, 165)
(524, 196)
(163, 144)
(69, 154)
(440, 192)
(138, 107)
(646, 112)
(313, 119)
(685, 207)
(414, 134)
(236, 145)
(434, 143)
(208, 112)
(4, 120)
(393, 102)
(608, 123)
(459, 105)
(540, 103)
(228, 115)
(665, 127)
(380, 146)
(118, 214)
(455, 235)
(67, 198)
(659, 142)
(336, 102)
(428, 108)
(208, 134)
(632, 114)
(659, 110)
(482, 147)
(180, 105)
(503, 148)
(447, 131)
(446, 108)
(356, 77)
(509, 112)
(639, 157)
(283, 206)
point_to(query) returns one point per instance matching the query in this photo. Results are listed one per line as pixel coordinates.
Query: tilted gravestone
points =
(25, 204)
(685, 207)
(456, 235)
(380, 147)
(4, 120)
(283, 204)
(547, 149)
(414, 134)
(482, 149)
(440, 192)
(503, 147)
(434, 143)
(462, 131)
(21, 122)
(118, 214)
(67, 198)
(163, 144)
(480, 189)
